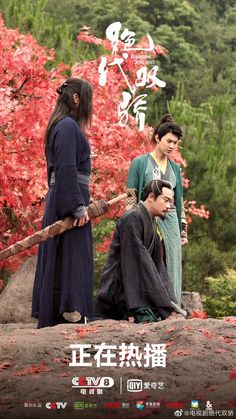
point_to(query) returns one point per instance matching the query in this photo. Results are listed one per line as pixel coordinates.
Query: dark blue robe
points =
(64, 274)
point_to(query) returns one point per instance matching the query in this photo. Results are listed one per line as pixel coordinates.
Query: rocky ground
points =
(35, 371)
(34, 365)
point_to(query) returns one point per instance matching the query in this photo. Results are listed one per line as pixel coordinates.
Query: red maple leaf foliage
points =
(27, 94)
(27, 97)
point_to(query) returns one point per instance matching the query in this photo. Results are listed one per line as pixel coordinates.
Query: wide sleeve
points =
(67, 152)
(133, 175)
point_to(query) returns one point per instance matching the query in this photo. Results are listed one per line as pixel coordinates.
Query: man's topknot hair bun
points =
(165, 118)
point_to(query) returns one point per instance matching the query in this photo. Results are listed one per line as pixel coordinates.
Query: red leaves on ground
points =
(84, 331)
(229, 320)
(105, 324)
(208, 333)
(197, 314)
(141, 332)
(33, 369)
(227, 340)
(220, 351)
(124, 325)
(181, 352)
(62, 360)
(232, 374)
(63, 374)
(131, 319)
(69, 336)
(188, 328)
(81, 331)
(212, 388)
(172, 329)
(170, 343)
(5, 365)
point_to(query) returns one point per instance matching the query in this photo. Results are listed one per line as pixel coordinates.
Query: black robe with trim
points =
(134, 276)
(64, 273)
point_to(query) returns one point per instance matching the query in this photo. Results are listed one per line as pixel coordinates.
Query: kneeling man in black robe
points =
(135, 284)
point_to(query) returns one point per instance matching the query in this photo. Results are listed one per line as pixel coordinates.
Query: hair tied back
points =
(167, 118)
(61, 88)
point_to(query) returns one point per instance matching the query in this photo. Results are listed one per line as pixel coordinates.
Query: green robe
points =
(136, 180)
(171, 227)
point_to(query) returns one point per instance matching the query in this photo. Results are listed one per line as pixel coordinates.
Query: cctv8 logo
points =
(106, 382)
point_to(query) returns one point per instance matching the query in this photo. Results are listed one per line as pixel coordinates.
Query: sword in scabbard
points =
(95, 209)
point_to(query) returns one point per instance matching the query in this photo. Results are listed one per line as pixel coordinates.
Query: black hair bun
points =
(166, 118)
(61, 88)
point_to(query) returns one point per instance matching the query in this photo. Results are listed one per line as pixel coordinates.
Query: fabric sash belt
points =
(82, 178)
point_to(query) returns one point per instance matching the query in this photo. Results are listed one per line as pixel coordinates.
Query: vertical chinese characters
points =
(123, 49)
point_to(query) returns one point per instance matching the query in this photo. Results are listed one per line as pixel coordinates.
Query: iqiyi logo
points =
(134, 385)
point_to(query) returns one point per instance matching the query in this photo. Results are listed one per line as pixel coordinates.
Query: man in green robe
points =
(134, 281)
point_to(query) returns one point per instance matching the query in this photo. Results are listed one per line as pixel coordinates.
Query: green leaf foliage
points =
(50, 27)
(209, 147)
(101, 231)
(221, 298)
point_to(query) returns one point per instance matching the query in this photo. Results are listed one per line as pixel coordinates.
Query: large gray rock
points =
(191, 301)
(16, 299)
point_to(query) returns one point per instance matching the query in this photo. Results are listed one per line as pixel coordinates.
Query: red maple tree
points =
(27, 96)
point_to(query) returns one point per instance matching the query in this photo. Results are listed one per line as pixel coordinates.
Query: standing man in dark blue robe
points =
(135, 282)
(64, 275)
